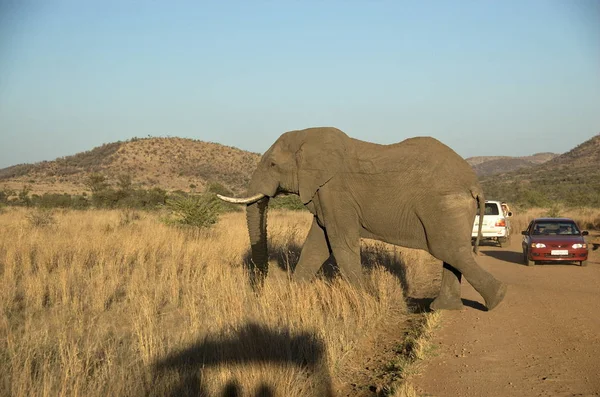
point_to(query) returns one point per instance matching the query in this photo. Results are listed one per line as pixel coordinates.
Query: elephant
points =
(417, 193)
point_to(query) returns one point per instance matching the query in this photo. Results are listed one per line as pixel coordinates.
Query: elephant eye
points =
(272, 164)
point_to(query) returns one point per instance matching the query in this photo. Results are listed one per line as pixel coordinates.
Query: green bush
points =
(289, 202)
(194, 211)
(216, 187)
(53, 200)
(105, 198)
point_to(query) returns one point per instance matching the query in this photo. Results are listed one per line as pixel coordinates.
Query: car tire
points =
(526, 260)
(583, 263)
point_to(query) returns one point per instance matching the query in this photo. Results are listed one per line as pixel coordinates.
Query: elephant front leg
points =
(314, 253)
(343, 232)
(345, 246)
(449, 296)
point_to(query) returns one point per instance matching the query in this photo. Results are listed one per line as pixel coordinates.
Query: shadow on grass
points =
(287, 258)
(373, 255)
(252, 344)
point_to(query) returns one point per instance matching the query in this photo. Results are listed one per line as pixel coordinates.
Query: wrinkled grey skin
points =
(418, 193)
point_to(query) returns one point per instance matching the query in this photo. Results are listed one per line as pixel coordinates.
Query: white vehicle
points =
(495, 225)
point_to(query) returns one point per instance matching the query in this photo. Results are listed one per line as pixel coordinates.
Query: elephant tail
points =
(478, 195)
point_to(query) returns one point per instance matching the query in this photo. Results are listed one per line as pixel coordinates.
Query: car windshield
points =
(559, 228)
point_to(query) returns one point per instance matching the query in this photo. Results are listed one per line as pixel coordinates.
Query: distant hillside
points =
(168, 163)
(573, 178)
(489, 165)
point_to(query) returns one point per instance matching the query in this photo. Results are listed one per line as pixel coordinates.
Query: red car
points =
(554, 239)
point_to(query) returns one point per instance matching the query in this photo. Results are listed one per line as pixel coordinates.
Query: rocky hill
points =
(168, 163)
(572, 178)
(489, 165)
(192, 165)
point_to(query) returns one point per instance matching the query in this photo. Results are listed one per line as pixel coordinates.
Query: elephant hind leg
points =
(449, 239)
(491, 289)
(449, 296)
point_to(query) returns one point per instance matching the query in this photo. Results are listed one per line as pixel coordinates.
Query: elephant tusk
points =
(244, 200)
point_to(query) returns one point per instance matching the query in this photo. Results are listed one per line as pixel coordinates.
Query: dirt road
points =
(543, 340)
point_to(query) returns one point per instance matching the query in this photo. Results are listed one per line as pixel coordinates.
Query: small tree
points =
(124, 182)
(24, 195)
(41, 218)
(96, 182)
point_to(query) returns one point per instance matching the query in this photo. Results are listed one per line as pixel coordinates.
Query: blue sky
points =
(484, 77)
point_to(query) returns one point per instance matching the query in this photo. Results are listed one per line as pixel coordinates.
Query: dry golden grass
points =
(95, 304)
(419, 343)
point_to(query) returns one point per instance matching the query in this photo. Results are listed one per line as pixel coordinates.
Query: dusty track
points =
(543, 340)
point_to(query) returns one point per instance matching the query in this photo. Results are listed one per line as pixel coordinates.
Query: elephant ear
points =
(321, 156)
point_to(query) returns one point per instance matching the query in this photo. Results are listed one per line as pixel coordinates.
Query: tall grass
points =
(586, 218)
(94, 306)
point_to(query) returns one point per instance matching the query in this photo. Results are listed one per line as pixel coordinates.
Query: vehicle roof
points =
(553, 219)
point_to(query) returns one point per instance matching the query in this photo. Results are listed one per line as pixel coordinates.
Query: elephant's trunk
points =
(256, 216)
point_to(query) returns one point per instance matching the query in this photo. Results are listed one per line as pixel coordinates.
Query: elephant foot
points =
(445, 303)
(496, 297)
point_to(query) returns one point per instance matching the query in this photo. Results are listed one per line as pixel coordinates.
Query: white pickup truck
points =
(495, 225)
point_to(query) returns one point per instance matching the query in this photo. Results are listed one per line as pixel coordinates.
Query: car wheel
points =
(583, 263)
(526, 259)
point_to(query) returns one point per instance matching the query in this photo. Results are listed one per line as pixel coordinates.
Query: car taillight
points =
(501, 222)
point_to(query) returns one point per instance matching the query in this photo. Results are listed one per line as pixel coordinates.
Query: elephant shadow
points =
(287, 257)
(251, 344)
